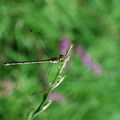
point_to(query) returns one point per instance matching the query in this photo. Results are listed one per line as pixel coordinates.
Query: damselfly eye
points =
(61, 57)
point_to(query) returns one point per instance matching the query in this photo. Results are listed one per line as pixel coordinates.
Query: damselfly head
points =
(61, 57)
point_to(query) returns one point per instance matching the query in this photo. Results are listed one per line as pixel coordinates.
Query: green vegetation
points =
(32, 30)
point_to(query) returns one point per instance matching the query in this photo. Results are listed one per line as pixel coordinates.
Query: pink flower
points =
(64, 45)
(8, 87)
(83, 54)
(56, 97)
(97, 69)
(80, 51)
(87, 60)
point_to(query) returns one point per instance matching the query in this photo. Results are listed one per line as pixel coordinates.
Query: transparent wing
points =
(56, 82)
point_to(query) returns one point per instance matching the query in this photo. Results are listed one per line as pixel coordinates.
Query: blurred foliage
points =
(26, 25)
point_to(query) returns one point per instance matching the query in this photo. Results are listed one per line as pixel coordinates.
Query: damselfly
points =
(57, 79)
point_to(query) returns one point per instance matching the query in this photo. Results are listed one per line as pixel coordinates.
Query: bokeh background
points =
(40, 29)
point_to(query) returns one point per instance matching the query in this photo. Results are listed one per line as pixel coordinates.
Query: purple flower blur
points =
(83, 54)
(87, 60)
(56, 97)
(96, 68)
(80, 51)
(64, 45)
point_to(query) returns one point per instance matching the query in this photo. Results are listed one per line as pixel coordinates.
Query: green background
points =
(28, 26)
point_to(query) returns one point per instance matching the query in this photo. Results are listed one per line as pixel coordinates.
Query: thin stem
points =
(66, 58)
